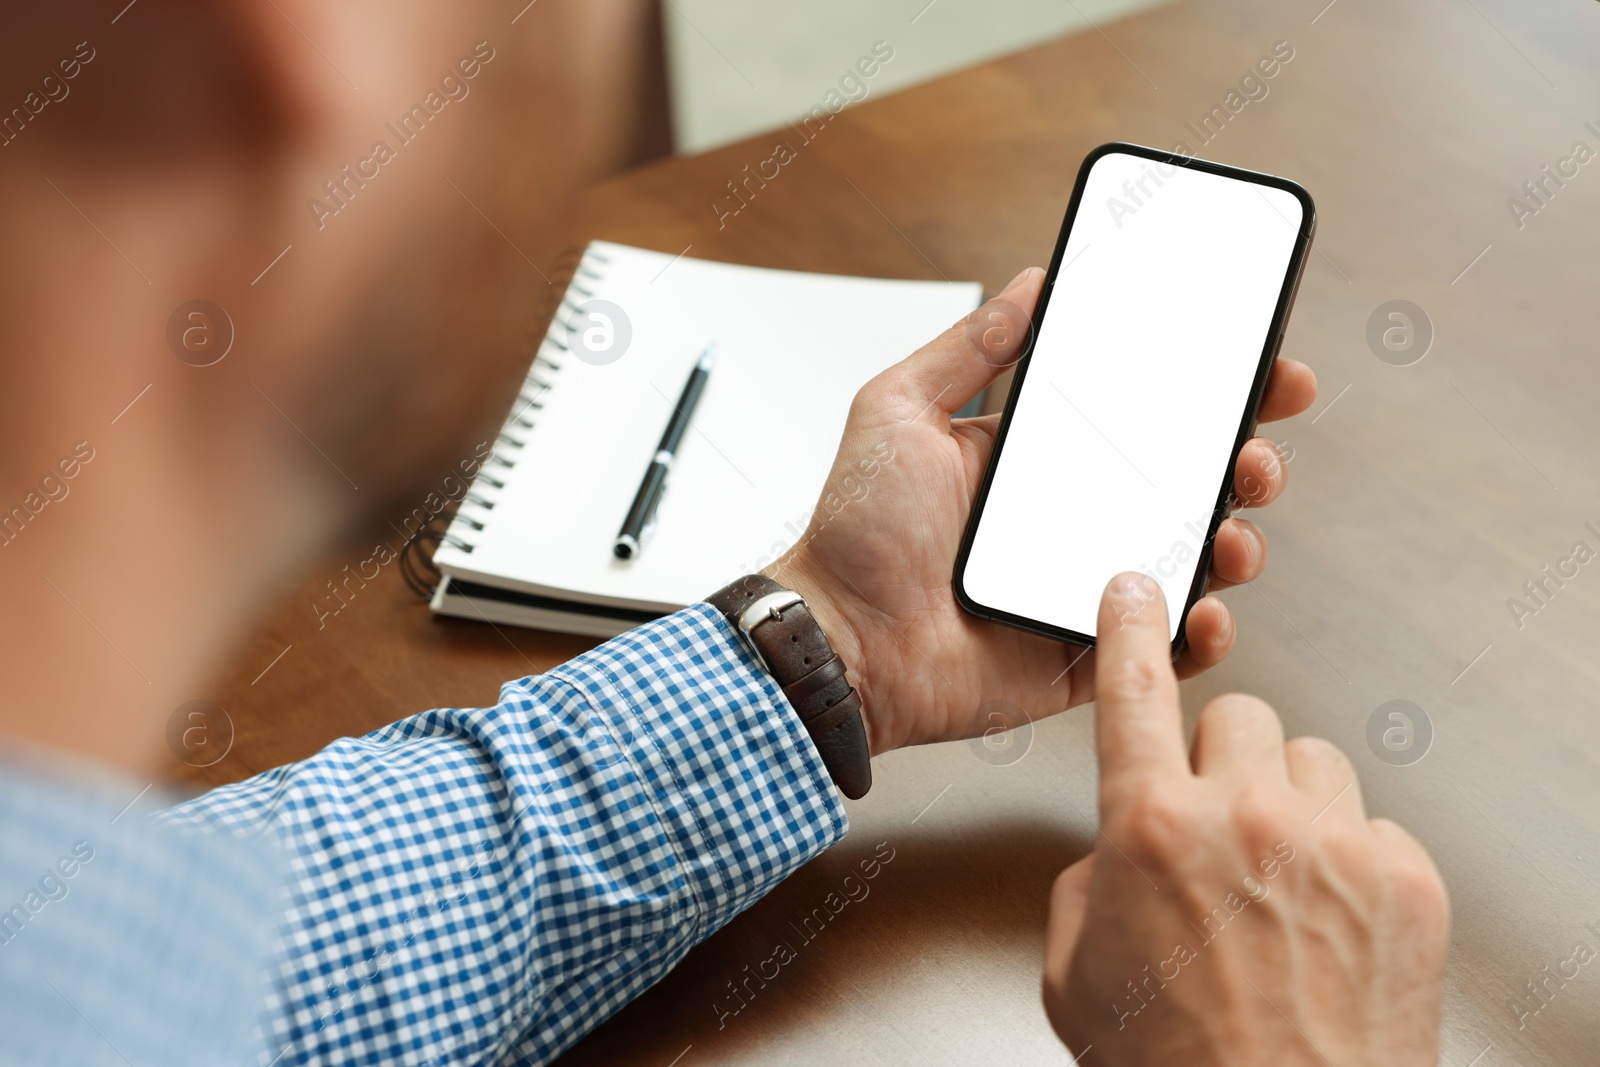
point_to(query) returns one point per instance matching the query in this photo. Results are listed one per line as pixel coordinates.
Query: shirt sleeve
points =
(470, 883)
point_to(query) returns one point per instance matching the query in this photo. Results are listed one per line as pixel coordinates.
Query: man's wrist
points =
(794, 572)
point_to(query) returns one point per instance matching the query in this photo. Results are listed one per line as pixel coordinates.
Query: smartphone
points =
(1138, 384)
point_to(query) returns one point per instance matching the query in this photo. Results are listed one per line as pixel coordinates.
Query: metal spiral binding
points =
(471, 516)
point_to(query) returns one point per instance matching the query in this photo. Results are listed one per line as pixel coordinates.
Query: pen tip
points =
(708, 358)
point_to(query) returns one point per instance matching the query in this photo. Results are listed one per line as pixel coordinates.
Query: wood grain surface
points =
(1423, 498)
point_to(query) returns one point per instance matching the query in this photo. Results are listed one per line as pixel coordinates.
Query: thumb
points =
(958, 364)
(1069, 901)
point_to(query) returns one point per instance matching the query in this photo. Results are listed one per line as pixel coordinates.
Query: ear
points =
(167, 80)
(304, 58)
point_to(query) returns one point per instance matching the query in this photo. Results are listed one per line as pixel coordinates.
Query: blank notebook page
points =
(793, 348)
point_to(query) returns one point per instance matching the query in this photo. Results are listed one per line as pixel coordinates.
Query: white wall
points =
(738, 67)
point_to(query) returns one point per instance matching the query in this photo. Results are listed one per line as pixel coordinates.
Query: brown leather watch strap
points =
(795, 651)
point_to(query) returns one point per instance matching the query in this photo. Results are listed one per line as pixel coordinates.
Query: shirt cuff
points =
(733, 776)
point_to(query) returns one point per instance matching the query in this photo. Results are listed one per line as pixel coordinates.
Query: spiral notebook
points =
(531, 544)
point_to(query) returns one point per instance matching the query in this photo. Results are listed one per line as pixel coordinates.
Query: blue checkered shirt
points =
(467, 886)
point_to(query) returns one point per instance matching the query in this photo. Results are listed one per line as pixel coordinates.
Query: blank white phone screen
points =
(1139, 378)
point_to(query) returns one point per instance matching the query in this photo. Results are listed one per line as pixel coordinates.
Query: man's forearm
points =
(468, 881)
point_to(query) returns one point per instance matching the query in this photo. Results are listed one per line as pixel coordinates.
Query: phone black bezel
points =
(1247, 423)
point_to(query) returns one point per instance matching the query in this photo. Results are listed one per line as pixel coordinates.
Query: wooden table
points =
(1424, 497)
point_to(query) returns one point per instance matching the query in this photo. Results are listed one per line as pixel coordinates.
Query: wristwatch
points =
(780, 629)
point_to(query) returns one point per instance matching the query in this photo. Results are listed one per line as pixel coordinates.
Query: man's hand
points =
(1240, 908)
(876, 562)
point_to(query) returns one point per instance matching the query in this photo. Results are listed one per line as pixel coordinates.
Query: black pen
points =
(642, 514)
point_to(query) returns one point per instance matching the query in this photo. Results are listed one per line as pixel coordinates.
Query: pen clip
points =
(655, 510)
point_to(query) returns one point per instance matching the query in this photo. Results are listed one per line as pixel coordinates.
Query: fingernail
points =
(999, 331)
(1016, 283)
(1133, 588)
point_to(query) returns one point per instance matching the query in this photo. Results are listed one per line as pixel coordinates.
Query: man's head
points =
(365, 197)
